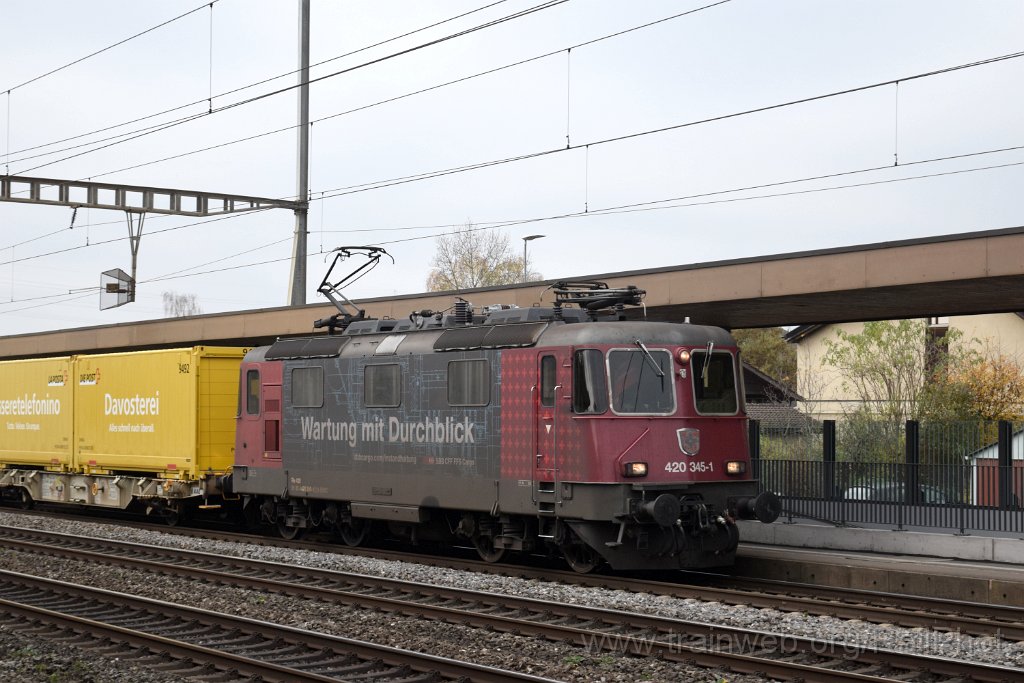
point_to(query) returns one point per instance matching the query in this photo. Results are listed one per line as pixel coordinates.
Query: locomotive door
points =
(272, 421)
(545, 468)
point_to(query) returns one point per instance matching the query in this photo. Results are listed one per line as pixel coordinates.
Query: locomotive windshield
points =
(589, 384)
(641, 381)
(714, 383)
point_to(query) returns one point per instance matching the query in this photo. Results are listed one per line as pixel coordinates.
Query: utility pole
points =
(297, 288)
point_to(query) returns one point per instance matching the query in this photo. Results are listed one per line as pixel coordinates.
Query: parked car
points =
(895, 492)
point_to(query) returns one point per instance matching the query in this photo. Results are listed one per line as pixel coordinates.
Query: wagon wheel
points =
(353, 532)
(25, 501)
(288, 533)
(581, 557)
(170, 516)
(485, 548)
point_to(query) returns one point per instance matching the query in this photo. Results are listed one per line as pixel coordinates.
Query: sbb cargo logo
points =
(58, 380)
(88, 379)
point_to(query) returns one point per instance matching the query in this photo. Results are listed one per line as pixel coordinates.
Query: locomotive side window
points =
(714, 383)
(589, 382)
(641, 381)
(547, 381)
(252, 392)
(469, 383)
(382, 386)
(308, 387)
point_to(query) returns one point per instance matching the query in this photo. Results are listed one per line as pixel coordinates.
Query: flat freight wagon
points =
(155, 427)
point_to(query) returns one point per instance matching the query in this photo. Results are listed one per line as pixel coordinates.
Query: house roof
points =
(801, 332)
(761, 387)
(781, 418)
(798, 333)
(992, 450)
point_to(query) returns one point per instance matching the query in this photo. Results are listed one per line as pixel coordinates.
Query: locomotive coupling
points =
(663, 510)
(766, 507)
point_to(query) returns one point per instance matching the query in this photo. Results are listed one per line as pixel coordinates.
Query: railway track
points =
(203, 645)
(739, 650)
(939, 614)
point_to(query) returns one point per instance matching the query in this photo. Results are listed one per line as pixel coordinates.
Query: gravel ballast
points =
(553, 660)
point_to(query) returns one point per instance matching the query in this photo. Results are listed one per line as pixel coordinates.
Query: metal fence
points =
(958, 477)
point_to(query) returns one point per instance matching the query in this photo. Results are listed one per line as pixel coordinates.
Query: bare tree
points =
(180, 305)
(471, 257)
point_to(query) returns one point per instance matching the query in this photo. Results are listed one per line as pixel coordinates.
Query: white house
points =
(821, 386)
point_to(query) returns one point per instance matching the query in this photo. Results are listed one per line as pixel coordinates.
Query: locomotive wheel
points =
(250, 517)
(353, 532)
(485, 549)
(288, 533)
(582, 558)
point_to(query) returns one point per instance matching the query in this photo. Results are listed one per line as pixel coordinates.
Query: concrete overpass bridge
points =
(978, 272)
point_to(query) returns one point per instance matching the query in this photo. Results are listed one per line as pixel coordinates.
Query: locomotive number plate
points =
(682, 466)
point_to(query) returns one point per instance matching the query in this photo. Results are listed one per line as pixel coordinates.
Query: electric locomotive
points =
(568, 429)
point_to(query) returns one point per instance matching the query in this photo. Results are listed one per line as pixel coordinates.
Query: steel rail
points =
(70, 604)
(971, 618)
(595, 628)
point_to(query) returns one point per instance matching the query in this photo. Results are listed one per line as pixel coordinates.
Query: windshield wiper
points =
(707, 363)
(650, 358)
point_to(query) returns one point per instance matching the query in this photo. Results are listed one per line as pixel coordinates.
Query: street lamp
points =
(525, 240)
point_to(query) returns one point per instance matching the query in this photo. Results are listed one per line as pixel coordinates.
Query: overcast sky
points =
(722, 60)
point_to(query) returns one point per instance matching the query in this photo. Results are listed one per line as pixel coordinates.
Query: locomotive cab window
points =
(382, 386)
(714, 383)
(641, 381)
(548, 369)
(469, 383)
(252, 392)
(308, 387)
(589, 382)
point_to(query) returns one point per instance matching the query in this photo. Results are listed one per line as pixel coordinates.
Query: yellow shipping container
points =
(36, 413)
(168, 412)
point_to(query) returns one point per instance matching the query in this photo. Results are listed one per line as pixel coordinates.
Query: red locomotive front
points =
(635, 440)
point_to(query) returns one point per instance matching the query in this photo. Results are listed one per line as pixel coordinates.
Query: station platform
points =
(971, 568)
(809, 534)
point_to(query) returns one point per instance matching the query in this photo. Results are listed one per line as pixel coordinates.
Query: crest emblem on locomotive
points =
(689, 440)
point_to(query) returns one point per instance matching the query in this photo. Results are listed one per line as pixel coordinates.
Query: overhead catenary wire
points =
(170, 275)
(640, 208)
(51, 72)
(487, 72)
(619, 209)
(426, 175)
(587, 210)
(548, 4)
(606, 211)
(324, 196)
(122, 239)
(243, 87)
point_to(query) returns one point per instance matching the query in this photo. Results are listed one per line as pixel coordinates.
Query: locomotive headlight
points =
(635, 469)
(735, 467)
(683, 356)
